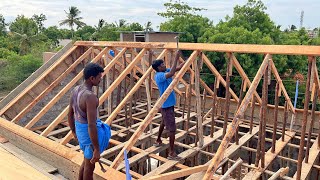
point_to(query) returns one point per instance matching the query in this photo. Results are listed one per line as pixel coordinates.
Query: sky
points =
(282, 12)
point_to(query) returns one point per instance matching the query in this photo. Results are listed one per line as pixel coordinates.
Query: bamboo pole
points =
(275, 122)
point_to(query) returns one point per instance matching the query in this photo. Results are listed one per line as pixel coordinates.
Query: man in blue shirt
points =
(163, 78)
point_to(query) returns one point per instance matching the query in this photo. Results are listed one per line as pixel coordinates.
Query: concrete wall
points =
(47, 55)
(158, 37)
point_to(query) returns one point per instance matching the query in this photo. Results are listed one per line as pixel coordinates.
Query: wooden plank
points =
(198, 105)
(28, 158)
(185, 154)
(131, 92)
(229, 151)
(269, 156)
(244, 76)
(283, 89)
(15, 100)
(62, 115)
(12, 167)
(307, 167)
(51, 86)
(236, 120)
(236, 48)
(66, 158)
(218, 75)
(154, 110)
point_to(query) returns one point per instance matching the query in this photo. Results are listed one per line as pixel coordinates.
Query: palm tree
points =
(148, 26)
(122, 23)
(73, 19)
(25, 40)
(100, 25)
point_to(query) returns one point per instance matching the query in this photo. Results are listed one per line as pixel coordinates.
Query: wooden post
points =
(314, 105)
(227, 100)
(304, 119)
(153, 111)
(198, 106)
(275, 122)
(214, 99)
(264, 113)
(146, 82)
(235, 122)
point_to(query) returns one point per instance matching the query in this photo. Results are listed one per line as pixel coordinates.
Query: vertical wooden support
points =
(275, 122)
(314, 105)
(253, 105)
(227, 100)
(125, 91)
(285, 118)
(146, 82)
(214, 99)
(235, 122)
(198, 106)
(304, 119)
(130, 101)
(108, 85)
(264, 114)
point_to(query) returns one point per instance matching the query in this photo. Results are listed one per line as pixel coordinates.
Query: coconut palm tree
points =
(73, 19)
(148, 26)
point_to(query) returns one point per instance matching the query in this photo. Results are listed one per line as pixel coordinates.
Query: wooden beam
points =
(269, 156)
(60, 117)
(244, 76)
(154, 110)
(198, 105)
(131, 92)
(236, 120)
(307, 167)
(229, 151)
(63, 156)
(218, 75)
(51, 86)
(236, 48)
(283, 89)
(44, 74)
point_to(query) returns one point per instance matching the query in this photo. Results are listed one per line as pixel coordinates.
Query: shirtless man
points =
(93, 135)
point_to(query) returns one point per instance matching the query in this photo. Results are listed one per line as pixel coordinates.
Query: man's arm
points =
(91, 109)
(71, 118)
(174, 66)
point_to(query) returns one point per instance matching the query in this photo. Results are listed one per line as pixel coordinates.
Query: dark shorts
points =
(168, 118)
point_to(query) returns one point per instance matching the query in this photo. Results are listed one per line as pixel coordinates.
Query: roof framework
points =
(217, 137)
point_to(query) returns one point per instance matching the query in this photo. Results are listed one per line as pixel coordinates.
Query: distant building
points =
(148, 36)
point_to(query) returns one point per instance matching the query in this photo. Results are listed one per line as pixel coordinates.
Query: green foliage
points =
(3, 25)
(73, 19)
(192, 27)
(178, 8)
(17, 69)
(39, 19)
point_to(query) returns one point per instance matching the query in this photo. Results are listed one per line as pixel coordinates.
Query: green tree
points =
(39, 19)
(178, 8)
(3, 25)
(54, 34)
(73, 19)
(183, 18)
(25, 31)
(148, 26)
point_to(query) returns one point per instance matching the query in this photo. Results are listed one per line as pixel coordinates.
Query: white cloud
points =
(282, 12)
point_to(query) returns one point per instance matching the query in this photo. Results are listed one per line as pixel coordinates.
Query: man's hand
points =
(96, 156)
